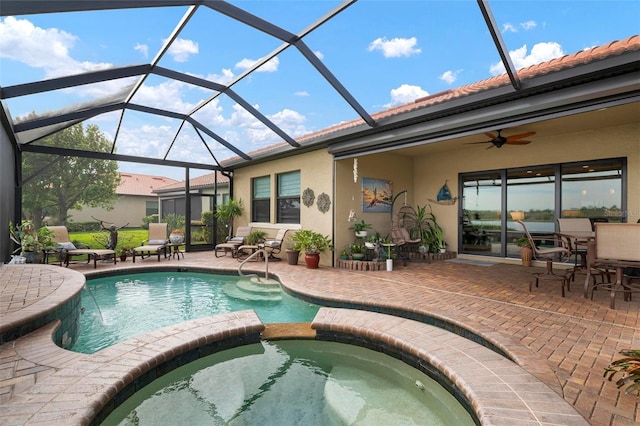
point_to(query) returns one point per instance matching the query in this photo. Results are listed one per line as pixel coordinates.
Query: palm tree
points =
(227, 212)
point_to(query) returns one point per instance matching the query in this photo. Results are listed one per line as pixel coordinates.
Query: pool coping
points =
(499, 391)
(76, 387)
(83, 389)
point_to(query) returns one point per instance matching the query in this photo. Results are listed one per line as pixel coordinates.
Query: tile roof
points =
(630, 44)
(203, 181)
(142, 185)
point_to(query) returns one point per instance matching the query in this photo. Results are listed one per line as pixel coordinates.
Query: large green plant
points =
(29, 238)
(310, 242)
(422, 224)
(229, 211)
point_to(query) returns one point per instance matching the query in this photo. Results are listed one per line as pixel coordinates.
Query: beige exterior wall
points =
(423, 175)
(128, 209)
(316, 171)
(431, 171)
(395, 168)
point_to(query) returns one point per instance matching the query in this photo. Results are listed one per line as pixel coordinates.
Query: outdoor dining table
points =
(578, 238)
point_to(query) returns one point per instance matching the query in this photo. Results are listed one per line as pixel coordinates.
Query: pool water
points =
(293, 382)
(128, 305)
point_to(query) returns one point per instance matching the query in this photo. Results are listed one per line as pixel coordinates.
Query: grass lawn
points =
(131, 237)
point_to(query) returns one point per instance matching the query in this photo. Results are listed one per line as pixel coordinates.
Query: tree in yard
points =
(54, 185)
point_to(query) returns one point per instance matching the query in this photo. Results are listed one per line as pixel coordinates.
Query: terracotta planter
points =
(312, 260)
(526, 254)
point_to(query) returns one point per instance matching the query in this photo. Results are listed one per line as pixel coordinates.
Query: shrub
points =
(152, 218)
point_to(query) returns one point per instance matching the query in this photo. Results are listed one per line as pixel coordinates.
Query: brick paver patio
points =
(573, 337)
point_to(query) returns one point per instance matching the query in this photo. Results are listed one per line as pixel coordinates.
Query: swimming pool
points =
(293, 382)
(128, 305)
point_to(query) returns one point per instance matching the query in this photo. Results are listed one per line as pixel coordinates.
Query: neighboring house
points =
(203, 195)
(582, 116)
(136, 199)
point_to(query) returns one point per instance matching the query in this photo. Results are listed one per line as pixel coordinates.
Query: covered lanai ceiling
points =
(198, 83)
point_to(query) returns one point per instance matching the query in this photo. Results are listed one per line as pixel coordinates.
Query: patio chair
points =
(156, 244)
(274, 245)
(570, 227)
(405, 245)
(548, 255)
(232, 244)
(616, 247)
(68, 250)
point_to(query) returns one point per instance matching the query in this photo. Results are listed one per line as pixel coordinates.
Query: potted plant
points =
(526, 252)
(357, 251)
(344, 255)
(255, 237)
(123, 252)
(360, 228)
(176, 236)
(33, 242)
(312, 244)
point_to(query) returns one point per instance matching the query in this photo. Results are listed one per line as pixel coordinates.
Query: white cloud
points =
(181, 49)
(450, 76)
(301, 93)
(142, 48)
(396, 47)
(225, 78)
(48, 49)
(167, 95)
(319, 54)
(270, 66)
(540, 52)
(510, 28)
(404, 94)
(507, 27)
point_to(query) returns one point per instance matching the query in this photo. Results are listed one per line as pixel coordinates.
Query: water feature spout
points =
(94, 301)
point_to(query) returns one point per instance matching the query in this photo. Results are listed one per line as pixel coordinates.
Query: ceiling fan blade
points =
(490, 135)
(520, 136)
(511, 142)
(473, 143)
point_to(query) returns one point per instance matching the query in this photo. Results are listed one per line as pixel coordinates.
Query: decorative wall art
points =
(377, 195)
(308, 197)
(324, 202)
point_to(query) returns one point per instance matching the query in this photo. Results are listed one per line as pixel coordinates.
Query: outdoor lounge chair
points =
(69, 250)
(548, 255)
(232, 244)
(156, 244)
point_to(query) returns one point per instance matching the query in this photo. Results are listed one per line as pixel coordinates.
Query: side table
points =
(174, 250)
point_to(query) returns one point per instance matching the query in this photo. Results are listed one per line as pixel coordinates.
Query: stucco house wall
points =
(423, 175)
(431, 171)
(128, 209)
(316, 171)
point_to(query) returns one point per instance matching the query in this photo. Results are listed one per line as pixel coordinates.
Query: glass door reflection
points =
(530, 198)
(481, 214)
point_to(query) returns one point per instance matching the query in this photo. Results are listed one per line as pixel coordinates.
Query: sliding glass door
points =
(492, 202)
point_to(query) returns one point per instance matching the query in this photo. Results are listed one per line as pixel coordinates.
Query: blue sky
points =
(385, 53)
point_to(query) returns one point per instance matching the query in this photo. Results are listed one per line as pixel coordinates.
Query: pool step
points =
(252, 290)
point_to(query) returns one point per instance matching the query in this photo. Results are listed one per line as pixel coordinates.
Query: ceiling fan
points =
(499, 140)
